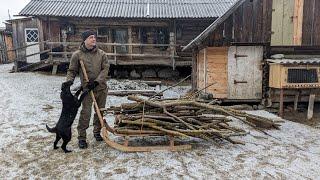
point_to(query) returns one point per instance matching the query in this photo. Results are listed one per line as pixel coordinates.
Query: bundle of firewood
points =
(183, 118)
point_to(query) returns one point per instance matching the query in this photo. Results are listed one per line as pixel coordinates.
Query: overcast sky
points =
(14, 6)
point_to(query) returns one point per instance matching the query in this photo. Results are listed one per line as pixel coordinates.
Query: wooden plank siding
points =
(250, 23)
(212, 68)
(287, 25)
(311, 23)
(275, 22)
(217, 61)
(201, 69)
(297, 22)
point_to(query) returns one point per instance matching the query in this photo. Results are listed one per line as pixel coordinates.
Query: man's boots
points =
(97, 136)
(83, 144)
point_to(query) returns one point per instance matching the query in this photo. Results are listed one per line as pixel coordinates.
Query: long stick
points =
(170, 87)
(102, 122)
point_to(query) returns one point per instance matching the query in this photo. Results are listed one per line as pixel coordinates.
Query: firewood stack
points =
(183, 118)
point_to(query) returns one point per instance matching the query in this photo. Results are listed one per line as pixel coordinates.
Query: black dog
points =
(70, 106)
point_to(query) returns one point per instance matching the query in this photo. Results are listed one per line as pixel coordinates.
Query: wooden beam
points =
(205, 68)
(296, 100)
(118, 54)
(281, 103)
(298, 22)
(130, 40)
(172, 49)
(194, 69)
(54, 69)
(112, 44)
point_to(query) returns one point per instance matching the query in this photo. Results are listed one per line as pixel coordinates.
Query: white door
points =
(32, 37)
(245, 72)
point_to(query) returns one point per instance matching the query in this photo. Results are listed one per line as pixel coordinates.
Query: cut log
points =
(148, 93)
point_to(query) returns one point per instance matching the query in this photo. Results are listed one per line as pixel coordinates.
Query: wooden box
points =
(294, 76)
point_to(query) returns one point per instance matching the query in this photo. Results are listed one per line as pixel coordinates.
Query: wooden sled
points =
(125, 147)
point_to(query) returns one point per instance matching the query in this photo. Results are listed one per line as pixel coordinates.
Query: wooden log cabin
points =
(144, 32)
(232, 51)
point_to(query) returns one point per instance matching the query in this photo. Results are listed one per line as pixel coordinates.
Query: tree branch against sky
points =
(14, 6)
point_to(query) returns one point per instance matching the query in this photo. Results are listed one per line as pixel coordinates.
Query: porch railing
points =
(47, 47)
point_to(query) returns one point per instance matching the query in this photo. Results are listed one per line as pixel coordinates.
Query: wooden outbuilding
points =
(132, 33)
(229, 56)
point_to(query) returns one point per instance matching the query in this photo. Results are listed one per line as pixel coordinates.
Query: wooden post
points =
(281, 103)
(296, 100)
(310, 106)
(172, 49)
(16, 61)
(40, 31)
(173, 43)
(194, 69)
(64, 40)
(205, 68)
(298, 22)
(115, 54)
(130, 40)
(54, 69)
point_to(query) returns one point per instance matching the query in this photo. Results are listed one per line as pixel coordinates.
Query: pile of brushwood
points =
(184, 118)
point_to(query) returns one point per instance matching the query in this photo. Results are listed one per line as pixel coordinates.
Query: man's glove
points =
(92, 84)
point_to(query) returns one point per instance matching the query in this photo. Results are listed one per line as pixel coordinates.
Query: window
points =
(302, 76)
(121, 36)
(32, 35)
(102, 32)
(162, 37)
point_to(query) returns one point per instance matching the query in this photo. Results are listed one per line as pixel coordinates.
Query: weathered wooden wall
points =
(311, 23)
(9, 43)
(291, 23)
(18, 33)
(250, 23)
(3, 55)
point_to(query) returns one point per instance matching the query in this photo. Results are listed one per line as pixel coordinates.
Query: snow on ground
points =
(28, 101)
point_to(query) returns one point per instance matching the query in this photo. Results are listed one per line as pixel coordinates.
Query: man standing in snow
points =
(97, 67)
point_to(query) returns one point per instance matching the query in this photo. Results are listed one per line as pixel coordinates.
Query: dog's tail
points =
(52, 130)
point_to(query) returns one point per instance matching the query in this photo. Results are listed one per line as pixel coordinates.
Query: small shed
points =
(231, 72)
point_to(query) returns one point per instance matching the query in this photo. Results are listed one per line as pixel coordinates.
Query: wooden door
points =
(245, 72)
(287, 17)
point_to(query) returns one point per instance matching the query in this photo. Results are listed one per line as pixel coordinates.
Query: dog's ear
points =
(66, 84)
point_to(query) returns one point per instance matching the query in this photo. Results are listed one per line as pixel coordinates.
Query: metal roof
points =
(295, 61)
(128, 8)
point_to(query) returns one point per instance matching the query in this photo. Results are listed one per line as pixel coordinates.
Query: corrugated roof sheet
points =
(295, 61)
(128, 8)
